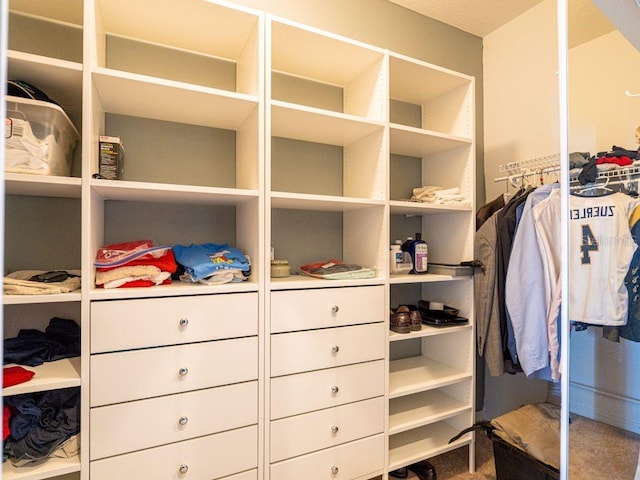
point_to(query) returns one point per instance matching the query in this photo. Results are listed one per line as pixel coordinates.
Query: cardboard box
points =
(111, 158)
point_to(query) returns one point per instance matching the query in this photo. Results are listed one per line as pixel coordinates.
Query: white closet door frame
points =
(4, 27)
(563, 70)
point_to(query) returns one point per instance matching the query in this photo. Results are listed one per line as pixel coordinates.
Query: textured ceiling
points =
(473, 16)
(483, 17)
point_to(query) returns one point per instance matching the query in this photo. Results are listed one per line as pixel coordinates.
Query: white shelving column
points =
(325, 199)
(182, 84)
(431, 371)
(45, 50)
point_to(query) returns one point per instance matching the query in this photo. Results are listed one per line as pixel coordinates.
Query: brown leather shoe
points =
(416, 320)
(400, 322)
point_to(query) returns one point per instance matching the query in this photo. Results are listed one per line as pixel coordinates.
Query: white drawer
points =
(305, 392)
(123, 376)
(327, 307)
(332, 347)
(132, 426)
(326, 428)
(352, 460)
(205, 458)
(149, 322)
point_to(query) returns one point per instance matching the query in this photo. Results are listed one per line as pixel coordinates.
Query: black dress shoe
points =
(399, 473)
(424, 470)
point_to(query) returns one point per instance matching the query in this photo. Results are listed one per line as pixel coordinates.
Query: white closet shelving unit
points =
(431, 388)
(252, 130)
(45, 49)
(326, 170)
(182, 84)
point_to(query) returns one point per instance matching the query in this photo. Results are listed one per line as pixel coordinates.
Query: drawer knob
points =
(183, 420)
(335, 389)
(334, 429)
(183, 371)
(334, 470)
(335, 309)
(184, 322)
(184, 468)
(335, 349)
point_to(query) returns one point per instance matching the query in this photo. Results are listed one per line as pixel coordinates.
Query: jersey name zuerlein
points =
(591, 212)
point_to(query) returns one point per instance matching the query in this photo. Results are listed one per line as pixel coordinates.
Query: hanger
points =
(595, 186)
(507, 194)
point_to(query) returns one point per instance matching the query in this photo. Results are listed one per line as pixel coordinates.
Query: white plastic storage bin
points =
(39, 138)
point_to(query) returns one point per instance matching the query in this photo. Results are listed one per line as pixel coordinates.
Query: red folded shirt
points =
(15, 375)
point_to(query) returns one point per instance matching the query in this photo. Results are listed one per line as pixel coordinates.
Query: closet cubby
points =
(358, 70)
(211, 45)
(64, 373)
(178, 217)
(445, 98)
(318, 230)
(44, 29)
(428, 441)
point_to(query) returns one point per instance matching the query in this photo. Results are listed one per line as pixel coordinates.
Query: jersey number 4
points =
(589, 244)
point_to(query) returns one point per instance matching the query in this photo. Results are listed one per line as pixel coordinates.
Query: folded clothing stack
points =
(137, 263)
(211, 263)
(336, 270)
(41, 282)
(439, 196)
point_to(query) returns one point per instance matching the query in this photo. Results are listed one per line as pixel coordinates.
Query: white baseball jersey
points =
(600, 250)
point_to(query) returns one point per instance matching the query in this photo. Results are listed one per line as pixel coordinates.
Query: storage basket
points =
(39, 138)
(514, 464)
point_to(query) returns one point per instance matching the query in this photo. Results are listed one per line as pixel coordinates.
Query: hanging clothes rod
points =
(533, 166)
(540, 171)
(614, 174)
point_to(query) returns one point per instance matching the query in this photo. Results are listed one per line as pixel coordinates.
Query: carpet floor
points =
(596, 451)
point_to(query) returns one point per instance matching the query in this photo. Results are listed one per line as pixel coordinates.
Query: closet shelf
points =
(425, 442)
(204, 27)
(63, 373)
(336, 60)
(321, 202)
(421, 373)
(414, 81)
(418, 142)
(426, 278)
(415, 411)
(33, 299)
(161, 192)
(303, 282)
(405, 207)
(53, 467)
(175, 289)
(181, 102)
(71, 15)
(427, 331)
(311, 124)
(42, 186)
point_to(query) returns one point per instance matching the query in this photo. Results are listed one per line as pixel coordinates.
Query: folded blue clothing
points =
(203, 260)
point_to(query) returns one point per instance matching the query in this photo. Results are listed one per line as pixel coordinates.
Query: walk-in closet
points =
(320, 239)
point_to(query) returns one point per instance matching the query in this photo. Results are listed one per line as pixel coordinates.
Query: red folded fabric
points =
(621, 161)
(166, 263)
(15, 375)
(6, 416)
